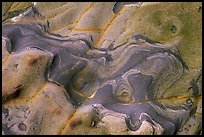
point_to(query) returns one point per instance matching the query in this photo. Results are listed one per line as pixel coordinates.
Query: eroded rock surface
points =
(54, 84)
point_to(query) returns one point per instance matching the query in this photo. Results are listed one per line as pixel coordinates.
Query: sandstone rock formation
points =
(101, 68)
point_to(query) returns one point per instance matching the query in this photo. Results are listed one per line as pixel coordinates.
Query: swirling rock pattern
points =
(55, 84)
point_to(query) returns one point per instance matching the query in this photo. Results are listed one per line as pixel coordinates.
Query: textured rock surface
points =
(96, 68)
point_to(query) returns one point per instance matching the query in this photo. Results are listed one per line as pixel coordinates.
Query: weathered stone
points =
(44, 113)
(66, 72)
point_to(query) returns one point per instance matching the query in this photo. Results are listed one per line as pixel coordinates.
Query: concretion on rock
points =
(55, 84)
